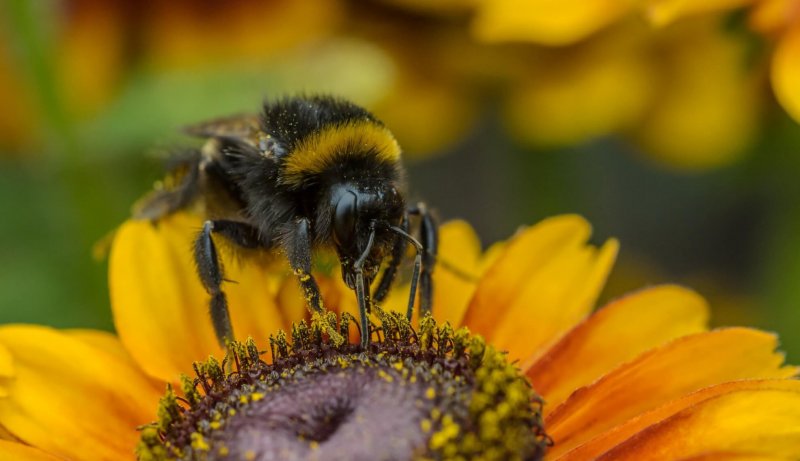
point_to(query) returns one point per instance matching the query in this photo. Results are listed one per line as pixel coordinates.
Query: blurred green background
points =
(667, 126)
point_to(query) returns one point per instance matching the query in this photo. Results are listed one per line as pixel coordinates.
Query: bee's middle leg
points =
(211, 272)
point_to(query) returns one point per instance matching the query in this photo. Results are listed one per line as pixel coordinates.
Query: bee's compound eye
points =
(344, 221)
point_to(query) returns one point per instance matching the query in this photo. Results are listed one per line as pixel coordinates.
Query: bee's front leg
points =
(211, 272)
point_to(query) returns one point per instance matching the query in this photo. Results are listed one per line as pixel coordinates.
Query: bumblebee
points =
(309, 172)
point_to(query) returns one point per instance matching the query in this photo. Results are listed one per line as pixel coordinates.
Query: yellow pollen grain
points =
(243, 399)
(448, 432)
(199, 442)
(398, 366)
(385, 376)
(256, 396)
(231, 412)
(215, 424)
(223, 451)
(430, 393)
(249, 455)
(426, 425)
(314, 445)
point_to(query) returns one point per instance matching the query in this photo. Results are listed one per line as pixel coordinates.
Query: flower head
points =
(641, 378)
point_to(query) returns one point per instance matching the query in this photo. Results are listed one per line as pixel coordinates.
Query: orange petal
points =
(160, 307)
(72, 399)
(617, 333)
(786, 71)
(546, 280)
(682, 366)
(755, 422)
(604, 442)
(551, 22)
(19, 452)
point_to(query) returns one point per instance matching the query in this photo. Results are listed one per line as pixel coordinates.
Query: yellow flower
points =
(641, 378)
(565, 22)
(683, 92)
(781, 19)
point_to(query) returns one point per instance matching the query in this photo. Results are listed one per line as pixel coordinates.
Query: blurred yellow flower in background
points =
(671, 75)
(780, 21)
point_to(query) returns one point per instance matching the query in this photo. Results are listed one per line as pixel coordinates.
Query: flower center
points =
(436, 393)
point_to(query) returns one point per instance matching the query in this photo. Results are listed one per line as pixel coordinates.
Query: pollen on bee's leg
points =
(427, 393)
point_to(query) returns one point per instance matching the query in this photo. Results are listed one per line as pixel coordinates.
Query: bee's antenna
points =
(417, 265)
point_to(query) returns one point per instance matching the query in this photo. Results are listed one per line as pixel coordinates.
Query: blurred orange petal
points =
(51, 369)
(657, 376)
(773, 16)
(614, 334)
(91, 54)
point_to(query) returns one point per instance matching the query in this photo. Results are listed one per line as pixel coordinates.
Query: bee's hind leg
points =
(211, 272)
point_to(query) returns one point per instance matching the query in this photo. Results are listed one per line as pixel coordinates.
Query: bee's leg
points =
(297, 245)
(429, 237)
(211, 273)
(388, 276)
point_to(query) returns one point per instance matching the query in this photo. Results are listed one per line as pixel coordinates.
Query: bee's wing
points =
(245, 127)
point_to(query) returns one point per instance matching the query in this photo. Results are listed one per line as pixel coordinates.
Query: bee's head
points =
(361, 215)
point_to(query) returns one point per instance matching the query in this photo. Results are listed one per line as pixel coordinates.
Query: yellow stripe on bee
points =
(319, 150)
